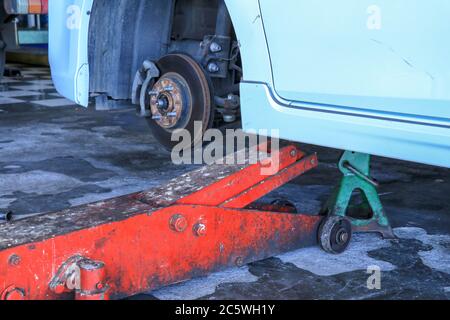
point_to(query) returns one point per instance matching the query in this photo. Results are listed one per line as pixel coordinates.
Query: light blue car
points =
(370, 76)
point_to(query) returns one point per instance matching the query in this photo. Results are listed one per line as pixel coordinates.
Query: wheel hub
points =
(178, 101)
(170, 101)
(342, 237)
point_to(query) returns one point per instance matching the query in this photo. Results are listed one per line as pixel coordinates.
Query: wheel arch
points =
(123, 33)
(248, 25)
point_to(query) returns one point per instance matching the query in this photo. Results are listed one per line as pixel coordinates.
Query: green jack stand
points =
(368, 215)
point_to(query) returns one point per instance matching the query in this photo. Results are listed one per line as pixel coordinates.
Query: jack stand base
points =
(368, 214)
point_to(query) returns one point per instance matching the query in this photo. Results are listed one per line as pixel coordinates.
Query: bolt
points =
(215, 47)
(313, 161)
(178, 223)
(168, 88)
(213, 67)
(200, 230)
(153, 93)
(229, 118)
(293, 153)
(14, 260)
(156, 118)
(239, 262)
(233, 99)
(343, 237)
(172, 114)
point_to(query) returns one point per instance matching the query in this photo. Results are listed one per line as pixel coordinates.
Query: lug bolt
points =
(215, 47)
(213, 67)
(168, 88)
(157, 118)
(200, 230)
(178, 223)
(153, 93)
(172, 114)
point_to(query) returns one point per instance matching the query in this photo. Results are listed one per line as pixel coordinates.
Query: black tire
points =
(335, 234)
(201, 93)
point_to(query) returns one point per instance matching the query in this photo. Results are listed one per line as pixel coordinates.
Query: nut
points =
(215, 47)
(14, 260)
(178, 223)
(213, 67)
(200, 230)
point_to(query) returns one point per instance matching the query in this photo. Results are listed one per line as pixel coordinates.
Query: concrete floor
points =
(53, 157)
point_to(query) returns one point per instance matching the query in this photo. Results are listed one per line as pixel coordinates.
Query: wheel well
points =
(124, 33)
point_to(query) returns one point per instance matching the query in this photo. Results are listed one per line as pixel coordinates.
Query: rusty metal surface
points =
(50, 225)
(78, 218)
(147, 240)
(187, 184)
(143, 253)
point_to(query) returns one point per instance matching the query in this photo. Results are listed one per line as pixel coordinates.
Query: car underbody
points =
(160, 32)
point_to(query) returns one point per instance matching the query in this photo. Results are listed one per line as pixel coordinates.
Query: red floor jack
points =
(201, 222)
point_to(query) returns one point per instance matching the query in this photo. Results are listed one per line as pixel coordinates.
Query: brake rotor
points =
(180, 97)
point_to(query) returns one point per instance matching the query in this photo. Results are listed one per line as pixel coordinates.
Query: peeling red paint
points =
(147, 249)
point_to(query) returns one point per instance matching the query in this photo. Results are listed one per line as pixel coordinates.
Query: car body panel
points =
(247, 22)
(68, 48)
(392, 99)
(379, 55)
(341, 119)
(400, 140)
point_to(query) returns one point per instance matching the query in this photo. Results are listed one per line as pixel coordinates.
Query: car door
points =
(386, 58)
(68, 48)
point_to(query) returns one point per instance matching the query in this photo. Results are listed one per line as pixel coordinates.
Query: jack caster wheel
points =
(178, 99)
(335, 234)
